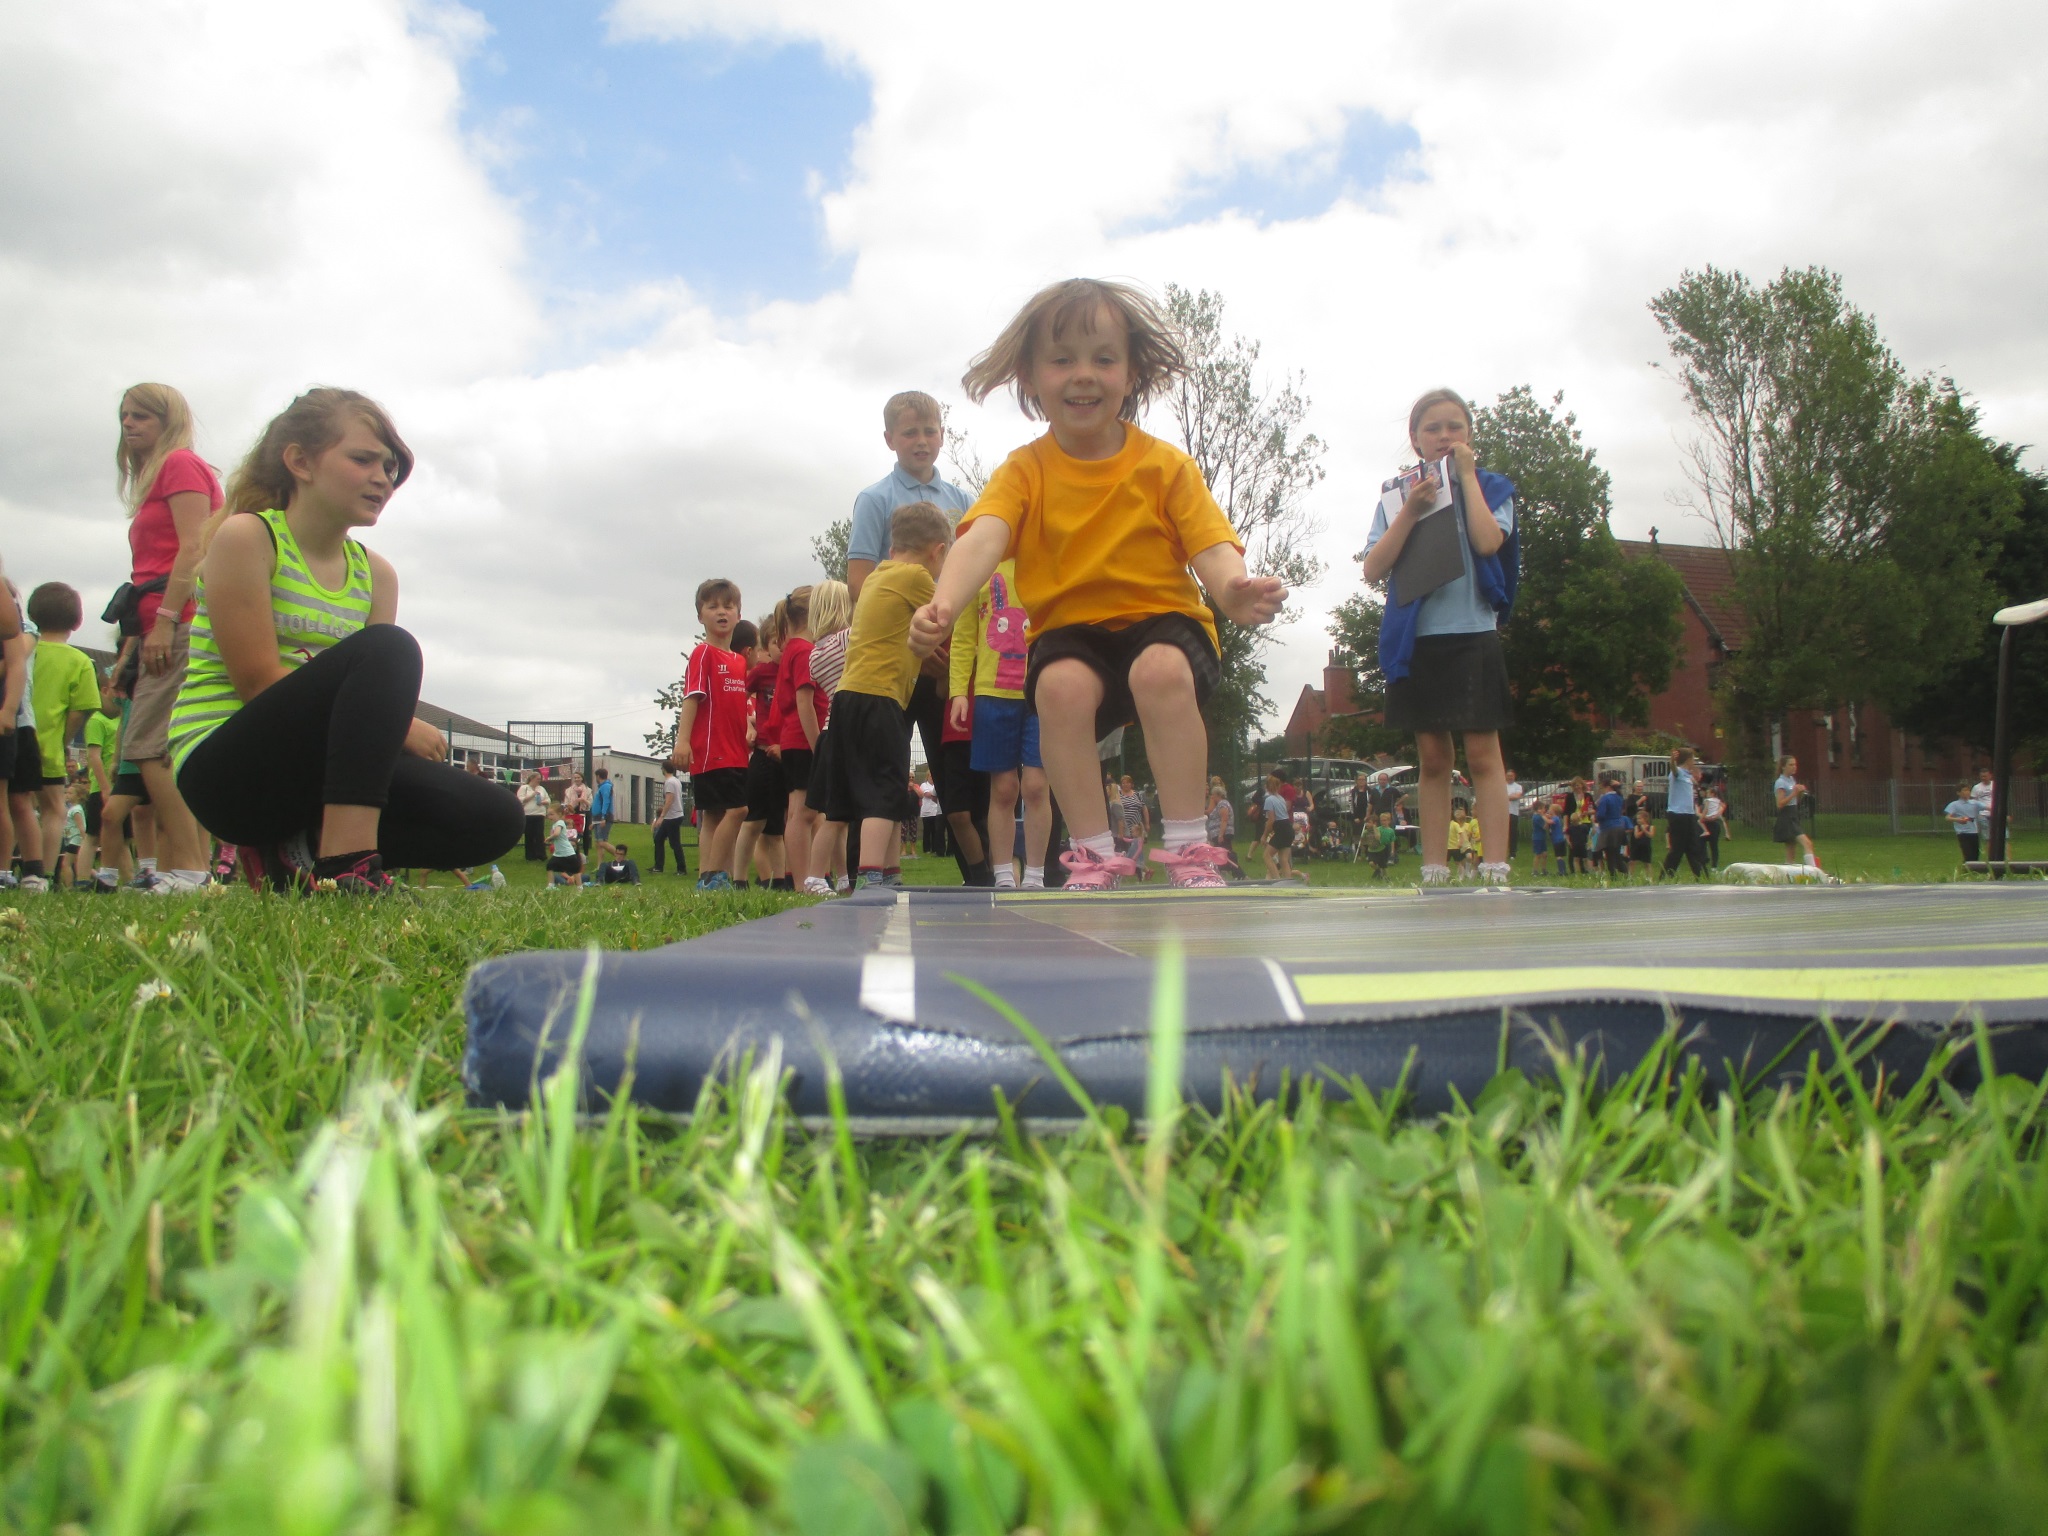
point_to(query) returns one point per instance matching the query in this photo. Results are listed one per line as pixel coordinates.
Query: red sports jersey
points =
(791, 676)
(718, 736)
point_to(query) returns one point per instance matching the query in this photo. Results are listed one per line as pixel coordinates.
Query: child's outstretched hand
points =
(930, 627)
(1251, 600)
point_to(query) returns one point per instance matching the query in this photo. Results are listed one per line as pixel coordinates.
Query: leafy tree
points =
(1594, 635)
(830, 548)
(1862, 505)
(1355, 630)
(1961, 703)
(1245, 433)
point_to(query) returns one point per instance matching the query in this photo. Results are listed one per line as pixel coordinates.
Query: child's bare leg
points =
(1433, 754)
(181, 844)
(1489, 791)
(744, 862)
(796, 831)
(28, 834)
(1002, 818)
(965, 835)
(878, 837)
(1163, 688)
(717, 852)
(1037, 818)
(1067, 695)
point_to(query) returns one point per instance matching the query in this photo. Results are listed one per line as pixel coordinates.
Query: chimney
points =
(1338, 697)
(1653, 538)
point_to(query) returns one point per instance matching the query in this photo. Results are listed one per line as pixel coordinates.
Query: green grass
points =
(261, 1270)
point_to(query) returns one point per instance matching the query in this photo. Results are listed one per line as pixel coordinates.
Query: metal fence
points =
(1895, 806)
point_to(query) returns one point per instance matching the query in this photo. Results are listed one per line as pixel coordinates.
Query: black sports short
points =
(131, 785)
(960, 787)
(1110, 653)
(26, 776)
(93, 804)
(767, 801)
(566, 864)
(796, 769)
(870, 760)
(1282, 836)
(719, 790)
(821, 769)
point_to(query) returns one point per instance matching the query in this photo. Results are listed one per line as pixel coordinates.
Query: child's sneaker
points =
(841, 884)
(817, 885)
(34, 885)
(365, 877)
(878, 880)
(717, 880)
(1193, 867)
(1088, 870)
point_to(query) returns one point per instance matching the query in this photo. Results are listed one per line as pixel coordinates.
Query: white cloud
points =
(300, 205)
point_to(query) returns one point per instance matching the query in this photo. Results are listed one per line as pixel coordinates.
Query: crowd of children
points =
(1078, 592)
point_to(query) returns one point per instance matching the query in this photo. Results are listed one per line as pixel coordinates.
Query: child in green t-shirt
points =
(66, 688)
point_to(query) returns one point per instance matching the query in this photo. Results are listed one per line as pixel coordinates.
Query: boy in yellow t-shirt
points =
(870, 759)
(1111, 529)
(991, 652)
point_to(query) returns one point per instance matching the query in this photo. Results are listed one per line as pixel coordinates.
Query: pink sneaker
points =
(1194, 867)
(1088, 870)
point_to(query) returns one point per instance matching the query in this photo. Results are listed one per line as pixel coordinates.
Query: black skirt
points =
(1454, 683)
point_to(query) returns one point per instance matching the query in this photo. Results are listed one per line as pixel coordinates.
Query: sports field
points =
(261, 1270)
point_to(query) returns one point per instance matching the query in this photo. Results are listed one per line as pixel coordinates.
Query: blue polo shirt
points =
(1608, 812)
(873, 506)
(1679, 799)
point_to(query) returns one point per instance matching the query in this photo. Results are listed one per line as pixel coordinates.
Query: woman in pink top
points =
(171, 493)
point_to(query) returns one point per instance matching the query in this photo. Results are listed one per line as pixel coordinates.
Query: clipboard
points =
(1434, 555)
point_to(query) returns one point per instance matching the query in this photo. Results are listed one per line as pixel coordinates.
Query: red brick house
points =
(1844, 743)
(1315, 707)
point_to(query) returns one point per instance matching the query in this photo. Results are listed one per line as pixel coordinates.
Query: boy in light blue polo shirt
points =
(915, 431)
(914, 428)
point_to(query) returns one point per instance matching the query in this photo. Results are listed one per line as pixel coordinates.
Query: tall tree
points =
(1355, 634)
(1245, 432)
(1594, 635)
(1961, 703)
(1862, 506)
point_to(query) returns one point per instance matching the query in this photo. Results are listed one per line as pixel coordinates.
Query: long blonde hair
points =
(315, 422)
(831, 608)
(134, 477)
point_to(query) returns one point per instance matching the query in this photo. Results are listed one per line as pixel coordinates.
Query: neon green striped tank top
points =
(308, 619)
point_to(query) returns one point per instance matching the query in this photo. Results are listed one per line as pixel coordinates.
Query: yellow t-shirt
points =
(878, 658)
(1105, 541)
(991, 642)
(1463, 835)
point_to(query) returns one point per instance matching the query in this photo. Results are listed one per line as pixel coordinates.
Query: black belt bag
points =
(124, 608)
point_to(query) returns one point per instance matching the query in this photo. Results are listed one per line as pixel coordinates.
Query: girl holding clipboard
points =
(1439, 641)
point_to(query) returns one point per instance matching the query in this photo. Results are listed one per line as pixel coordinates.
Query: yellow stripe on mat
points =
(1958, 984)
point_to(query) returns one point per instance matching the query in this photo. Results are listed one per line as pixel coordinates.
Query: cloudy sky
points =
(634, 278)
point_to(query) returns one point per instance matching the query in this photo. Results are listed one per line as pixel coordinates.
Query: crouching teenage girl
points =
(1441, 654)
(294, 732)
(1104, 523)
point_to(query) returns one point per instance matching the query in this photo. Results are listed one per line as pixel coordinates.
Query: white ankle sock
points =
(1185, 834)
(1006, 877)
(1436, 874)
(1034, 877)
(1102, 844)
(148, 864)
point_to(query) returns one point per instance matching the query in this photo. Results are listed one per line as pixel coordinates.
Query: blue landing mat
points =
(1380, 985)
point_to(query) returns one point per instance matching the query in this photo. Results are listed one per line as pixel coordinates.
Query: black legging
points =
(1684, 831)
(333, 733)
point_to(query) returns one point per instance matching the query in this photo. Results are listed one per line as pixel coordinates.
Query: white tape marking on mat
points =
(888, 977)
(1289, 1003)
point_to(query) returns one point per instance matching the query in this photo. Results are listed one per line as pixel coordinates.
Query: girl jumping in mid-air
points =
(1104, 522)
(1441, 653)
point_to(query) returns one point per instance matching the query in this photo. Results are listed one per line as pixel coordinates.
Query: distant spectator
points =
(668, 822)
(576, 806)
(600, 826)
(614, 867)
(1963, 814)
(534, 805)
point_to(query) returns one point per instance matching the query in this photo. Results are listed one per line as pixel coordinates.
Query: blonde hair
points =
(136, 478)
(831, 608)
(1436, 397)
(917, 526)
(1157, 355)
(314, 423)
(905, 402)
